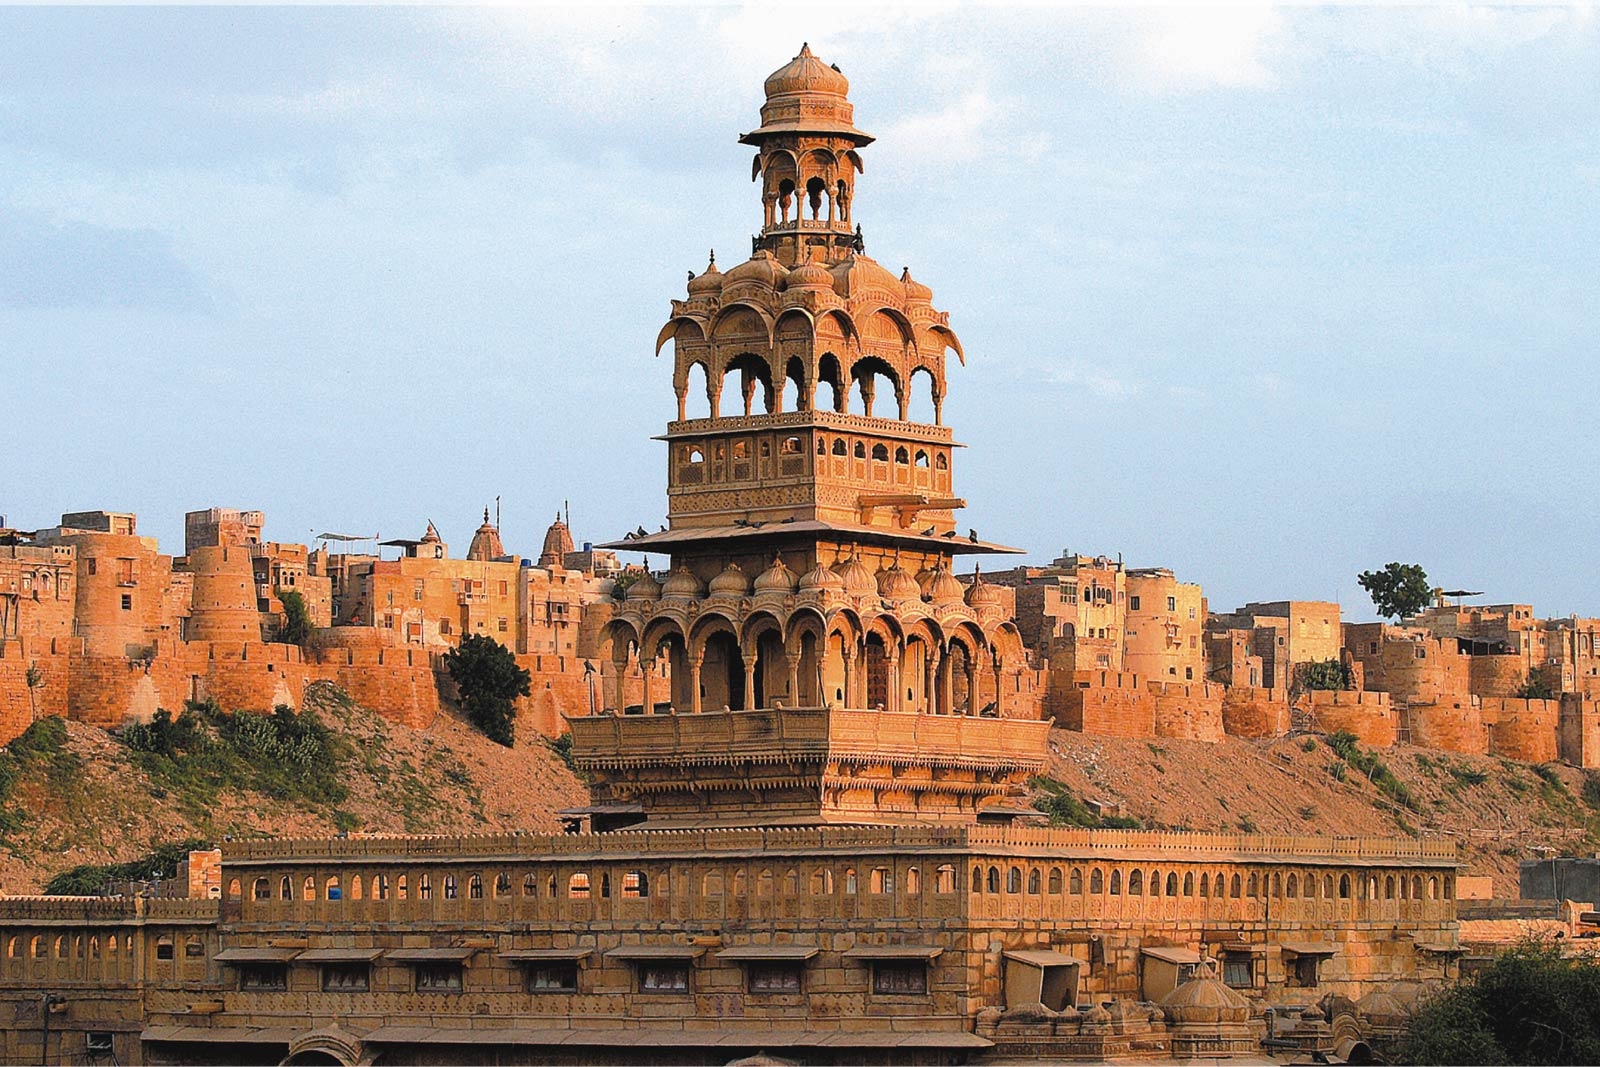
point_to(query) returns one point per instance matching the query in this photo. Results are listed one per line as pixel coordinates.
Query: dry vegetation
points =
(1497, 810)
(94, 799)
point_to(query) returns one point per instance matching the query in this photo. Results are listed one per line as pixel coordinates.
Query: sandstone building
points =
(804, 842)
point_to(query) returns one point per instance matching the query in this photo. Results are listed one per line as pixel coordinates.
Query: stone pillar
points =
(850, 700)
(997, 701)
(619, 682)
(930, 683)
(891, 660)
(750, 663)
(974, 703)
(947, 686)
(647, 670)
(792, 661)
(694, 682)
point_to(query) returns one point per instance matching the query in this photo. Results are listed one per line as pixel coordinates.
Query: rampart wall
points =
(1369, 716)
(1249, 711)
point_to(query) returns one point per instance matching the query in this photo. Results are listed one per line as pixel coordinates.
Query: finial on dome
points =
(713, 262)
(805, 48)
(486, 516)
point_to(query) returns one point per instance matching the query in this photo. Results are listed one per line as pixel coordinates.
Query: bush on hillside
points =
(489, 680)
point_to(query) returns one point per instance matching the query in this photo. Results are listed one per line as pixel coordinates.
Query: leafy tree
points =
(1529, 1006)
(297, 626)
(1323, 674)
(487, 675)
(1400, 589)
(1538, 687)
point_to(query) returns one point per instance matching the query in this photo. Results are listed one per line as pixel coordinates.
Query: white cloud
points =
(1177, 48)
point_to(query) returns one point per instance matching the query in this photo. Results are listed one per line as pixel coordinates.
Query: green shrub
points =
(1529, 1006)
(89, 878)
(1065, 809)
(489, 680)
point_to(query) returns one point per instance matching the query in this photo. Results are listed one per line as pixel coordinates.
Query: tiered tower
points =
(822, 661)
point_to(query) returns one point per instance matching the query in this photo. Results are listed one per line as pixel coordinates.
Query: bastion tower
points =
(809, 655)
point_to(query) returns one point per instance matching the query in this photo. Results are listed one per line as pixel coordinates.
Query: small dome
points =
(858, 581)
(942, 587)
(557, 543)
(1381, 1004)
(856, 272)
(777, 579)
(1205, 1000)
(809, 275)
(731, 582)
(486, 541)
(915, 290)
(761, 268)
(683, 584)
(820, 579)
(645, 587)
(708, 283)
(896, 584)
(981, 594)
(805, 73)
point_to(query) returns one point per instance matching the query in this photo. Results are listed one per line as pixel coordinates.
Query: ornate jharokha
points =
(812, 533)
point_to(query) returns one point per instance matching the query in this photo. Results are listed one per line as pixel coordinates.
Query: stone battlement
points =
(1063, 842)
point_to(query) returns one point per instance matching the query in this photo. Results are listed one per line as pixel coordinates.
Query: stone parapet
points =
(1369, 716)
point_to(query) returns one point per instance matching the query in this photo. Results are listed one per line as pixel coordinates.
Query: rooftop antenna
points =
(566, 506)
(497, 511)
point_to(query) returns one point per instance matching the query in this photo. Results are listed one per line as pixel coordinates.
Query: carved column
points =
(930, 682)
(619, 681)
(750, 662)
(792, 661)
(896, 683)
(974, 702)
(647, 669)
(694, 681)
(850, 701)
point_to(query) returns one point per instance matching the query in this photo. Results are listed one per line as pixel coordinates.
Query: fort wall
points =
(1187, 712)
(1369, 716)
(1455, 727)
(1527, 730)
(1249, 711)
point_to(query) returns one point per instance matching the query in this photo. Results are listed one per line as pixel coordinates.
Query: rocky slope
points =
(84, 796)
(1498, 811)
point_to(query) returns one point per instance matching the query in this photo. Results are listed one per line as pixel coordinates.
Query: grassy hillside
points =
(1498, 811)
(72, 794)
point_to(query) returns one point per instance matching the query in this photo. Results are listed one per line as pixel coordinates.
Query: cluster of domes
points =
(850, 578)
(846, 278)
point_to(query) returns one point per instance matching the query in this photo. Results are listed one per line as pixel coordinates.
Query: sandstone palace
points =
(807, 742)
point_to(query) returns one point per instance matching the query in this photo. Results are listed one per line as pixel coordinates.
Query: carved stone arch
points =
(757, 623)
(902, 327)
(660, 631)
(710, 623)
(719, 330)
(326, 1043)
(947, 337)
(887, 627)
(757, 378)
(624, 634)
(855, 161)
(925, 628)
(802, 621)
(972, 637)
(1005, 645)
(863, 374)
(830, 369)
(847, 623)
(838, 325)
(670, 331)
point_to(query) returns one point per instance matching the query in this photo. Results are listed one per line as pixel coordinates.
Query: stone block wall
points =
(1369, 716)
(1248, 711)
(1579, 736)
(1187, 712)
(1455, 727)
(1497, 676)
(1527, 730)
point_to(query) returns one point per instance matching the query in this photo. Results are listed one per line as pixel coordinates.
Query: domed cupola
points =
(856, 273)
(805, 73)
(776, 581)
(916, 292)
(982, 595)
(761, 269)
(820, 579)
(858, 581)
(896, 584)
(644, 588)
(809, 277)
(731, 583)
(942, 587)
(707, 284)
(681, 584)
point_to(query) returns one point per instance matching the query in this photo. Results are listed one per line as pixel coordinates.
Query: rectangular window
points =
(91, 566)
(502, 626)
(1191, 613)
(664, 976)
(127, 601)
(774, 978)
(1133, 603)
(1172, 603)
(438, 978)
(263, 978)
(1305, 972)
(898, 978)
(502, 588)
(1238, 970)
(553, 978)
(345, 978)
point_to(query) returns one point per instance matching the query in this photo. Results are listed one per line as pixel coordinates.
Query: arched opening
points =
(697, 400)
(866, 389)
(922, 407)
(754, 385)
(722, 674)
(794, 394)
(829, 374)
(815, 191)
(877, 664)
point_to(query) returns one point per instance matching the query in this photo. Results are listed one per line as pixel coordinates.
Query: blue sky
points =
(1269, 296)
